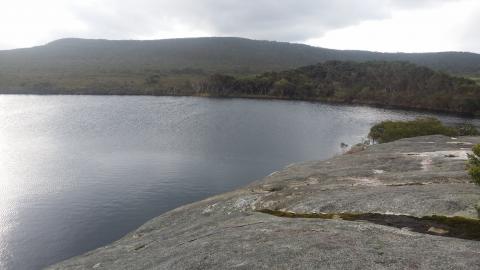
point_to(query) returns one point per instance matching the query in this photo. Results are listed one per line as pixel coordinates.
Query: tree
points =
(283, 88)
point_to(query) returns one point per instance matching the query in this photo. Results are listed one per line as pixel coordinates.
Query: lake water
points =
(78, 172)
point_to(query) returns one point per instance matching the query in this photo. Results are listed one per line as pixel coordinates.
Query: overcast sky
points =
(378, 25)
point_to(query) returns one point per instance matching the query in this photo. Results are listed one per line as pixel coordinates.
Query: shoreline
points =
(272, 98)
(414, 178)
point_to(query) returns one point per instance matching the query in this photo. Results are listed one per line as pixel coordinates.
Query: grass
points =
(476, 79)
(458, 227)
(388, 131)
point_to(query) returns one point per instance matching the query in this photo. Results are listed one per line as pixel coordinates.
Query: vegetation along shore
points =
(236, 67)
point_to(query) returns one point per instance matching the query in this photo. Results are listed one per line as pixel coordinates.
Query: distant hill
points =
(394, 84)
(148, 67)
(216, 53)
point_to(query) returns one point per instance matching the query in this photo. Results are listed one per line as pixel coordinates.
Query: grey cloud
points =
(286, 20)
(289, 20)
(415, 4)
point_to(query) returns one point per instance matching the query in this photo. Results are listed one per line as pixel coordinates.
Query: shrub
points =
(476, 150)
(474, 164)
(474, 172)
(467, 130)
(388, 131)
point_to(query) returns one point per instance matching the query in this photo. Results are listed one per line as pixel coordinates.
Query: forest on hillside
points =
(393, 84)
(176, 66)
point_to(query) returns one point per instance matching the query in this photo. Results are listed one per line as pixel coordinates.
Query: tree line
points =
(396, 84)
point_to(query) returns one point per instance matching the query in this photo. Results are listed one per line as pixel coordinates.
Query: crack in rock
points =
(457, 227)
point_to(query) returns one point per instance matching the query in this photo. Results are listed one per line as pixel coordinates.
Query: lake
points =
(78, 172)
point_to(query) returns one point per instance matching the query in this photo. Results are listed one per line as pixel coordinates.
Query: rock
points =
(477, 207)
(437, 230)
(381, 208)
(357, 148)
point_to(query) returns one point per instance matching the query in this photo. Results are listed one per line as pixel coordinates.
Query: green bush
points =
(476, 150)
(474, 164)
(388, 131)
(467, 130)
(474, 172)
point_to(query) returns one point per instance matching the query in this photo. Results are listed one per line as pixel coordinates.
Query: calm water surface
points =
(78, 172)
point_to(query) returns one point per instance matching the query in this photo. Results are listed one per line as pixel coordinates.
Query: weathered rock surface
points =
(416, 177)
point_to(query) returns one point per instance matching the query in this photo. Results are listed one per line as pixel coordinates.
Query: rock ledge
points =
(414, 178)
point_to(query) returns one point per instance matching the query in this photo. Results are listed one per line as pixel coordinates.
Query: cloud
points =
(469, 37)
(264, 19)
(288, 20)
(418, 4)
(448, 27)
(36, 22)
(26, 23)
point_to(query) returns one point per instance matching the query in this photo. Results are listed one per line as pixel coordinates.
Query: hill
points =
(101, 66)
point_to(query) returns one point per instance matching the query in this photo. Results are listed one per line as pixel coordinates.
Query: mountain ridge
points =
(66, 40)
(231, 54)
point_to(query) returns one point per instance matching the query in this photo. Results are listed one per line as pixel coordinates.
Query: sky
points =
(375, 25)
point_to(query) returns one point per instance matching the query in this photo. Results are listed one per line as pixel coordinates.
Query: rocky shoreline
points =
(409, 204)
